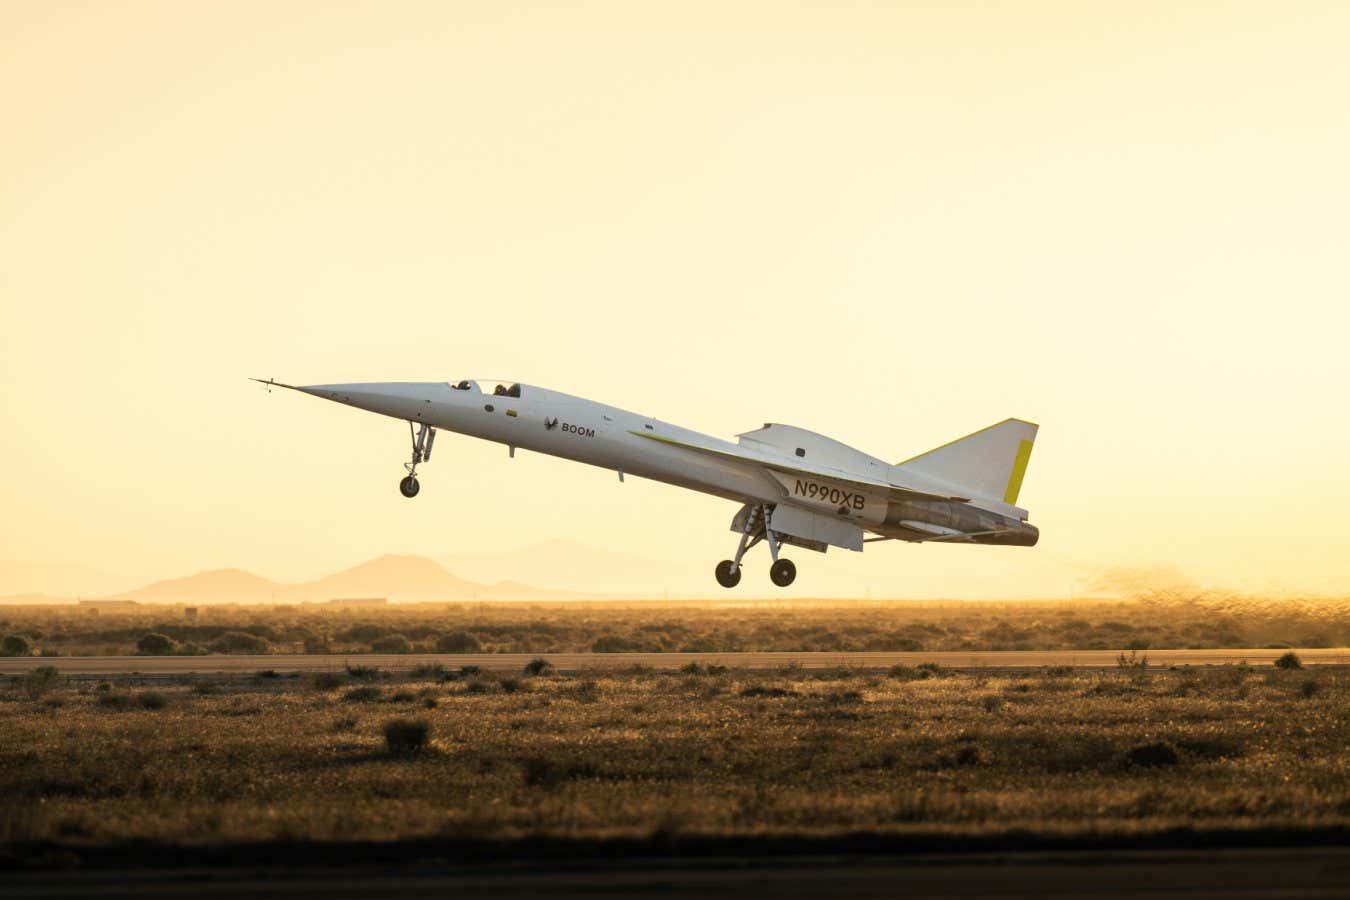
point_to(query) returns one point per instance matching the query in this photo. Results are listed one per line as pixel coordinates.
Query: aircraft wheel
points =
(728, 577)
(409, 487)
(783, 572)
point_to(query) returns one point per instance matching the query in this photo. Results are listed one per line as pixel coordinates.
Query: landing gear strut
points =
(781, 573)
(421, 452)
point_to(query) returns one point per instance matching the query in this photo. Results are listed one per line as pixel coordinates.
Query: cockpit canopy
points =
(497, 388)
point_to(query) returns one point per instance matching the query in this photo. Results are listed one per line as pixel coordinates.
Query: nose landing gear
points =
(421, 452)
(782, 573)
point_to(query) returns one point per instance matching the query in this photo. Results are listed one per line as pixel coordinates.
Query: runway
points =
(1250, 873)
(570, 662)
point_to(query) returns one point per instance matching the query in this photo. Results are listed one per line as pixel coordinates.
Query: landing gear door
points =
(816, 527)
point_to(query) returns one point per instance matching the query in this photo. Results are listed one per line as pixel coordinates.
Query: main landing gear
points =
(781, 573)
(421, 452)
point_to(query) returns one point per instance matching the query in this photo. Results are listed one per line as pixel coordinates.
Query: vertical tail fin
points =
(989, 464)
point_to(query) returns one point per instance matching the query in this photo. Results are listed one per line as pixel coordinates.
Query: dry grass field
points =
(455, 756)
(1200, 622)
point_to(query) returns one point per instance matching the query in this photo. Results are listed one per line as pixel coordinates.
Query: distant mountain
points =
(32, 600)
(401, 579)
(573, 566)
(217, 586)
(413, 579)
(59, 580)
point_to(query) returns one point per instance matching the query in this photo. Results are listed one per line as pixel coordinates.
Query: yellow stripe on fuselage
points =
(1019, 471)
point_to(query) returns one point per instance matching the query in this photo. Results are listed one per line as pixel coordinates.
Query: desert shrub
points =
(587, 691)
(1308, 688)
(266, 674)
(363, 673)
(316, 645)
(205, 688)
(843, 698)
(326, 681)
(695, 668)
(540, 771)
(458, 642)
(538, 666)
(477, 686)
(835, 673)
(151, 700)
(968, 755)
(240, 642)
(1289, 660)
(406, 737)
(1210, 746)
(435, 672)
(42, 679)
(15, 645)
(112, 700)
(155, 644)
(908, 673)
(362, 633)
(511, 685)
(1133, 661)
(1159, 753)
(991, 702)
(467, 671)
(931, 668)
(402, 697)
(760, 690)
(613, 643)
(363, 694)
(391, 643)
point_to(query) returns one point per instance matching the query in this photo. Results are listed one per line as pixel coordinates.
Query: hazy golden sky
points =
(892, 223)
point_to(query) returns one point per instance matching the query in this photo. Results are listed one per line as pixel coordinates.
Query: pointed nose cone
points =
(400, 399)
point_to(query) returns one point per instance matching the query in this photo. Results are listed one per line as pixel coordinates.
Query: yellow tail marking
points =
(1019, 470)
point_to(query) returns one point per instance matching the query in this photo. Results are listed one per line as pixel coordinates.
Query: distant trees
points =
(155, 644)
(391, 643)
(15, 645)
(458, 642)
(240, 642)
(1289, 660)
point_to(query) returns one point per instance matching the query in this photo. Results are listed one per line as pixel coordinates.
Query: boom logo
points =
(551, 423)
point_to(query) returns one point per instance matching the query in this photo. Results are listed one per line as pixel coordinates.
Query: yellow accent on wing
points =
(1019, 471)
(511, 413)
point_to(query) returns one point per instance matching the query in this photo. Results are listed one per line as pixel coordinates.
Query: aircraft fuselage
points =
(838, 481)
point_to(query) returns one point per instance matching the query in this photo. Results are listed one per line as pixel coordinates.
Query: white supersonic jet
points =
(794, 486)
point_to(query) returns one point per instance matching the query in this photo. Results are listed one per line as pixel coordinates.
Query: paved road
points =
(513, 662)
(1249, 874)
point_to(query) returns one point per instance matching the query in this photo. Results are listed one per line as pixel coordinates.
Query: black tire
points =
(409, 487)
(783, 572)
(726, 576)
